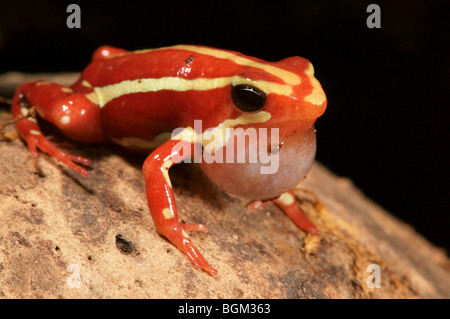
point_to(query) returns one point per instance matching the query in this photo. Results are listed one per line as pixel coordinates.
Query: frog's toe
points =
(195, 227)
(36, 140)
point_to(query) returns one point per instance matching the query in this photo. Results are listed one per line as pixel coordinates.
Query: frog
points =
(188, 103)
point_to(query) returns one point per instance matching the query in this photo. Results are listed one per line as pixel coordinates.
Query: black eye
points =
(248, 98)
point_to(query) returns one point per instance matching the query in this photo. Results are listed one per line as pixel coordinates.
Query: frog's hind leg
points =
(73, 114)
(288, 203)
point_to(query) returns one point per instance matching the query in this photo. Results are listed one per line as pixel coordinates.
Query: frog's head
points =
(287, 90)
(277, 104)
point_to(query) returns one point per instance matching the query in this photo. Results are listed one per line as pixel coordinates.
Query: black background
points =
(387, 117)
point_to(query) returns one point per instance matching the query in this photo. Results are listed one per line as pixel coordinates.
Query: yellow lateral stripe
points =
(103, 95)
(189, 135)
(220, 130)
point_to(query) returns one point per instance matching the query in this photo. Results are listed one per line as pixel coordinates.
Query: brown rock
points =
(66, 236)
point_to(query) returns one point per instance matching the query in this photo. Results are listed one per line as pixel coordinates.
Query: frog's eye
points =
(248, 98)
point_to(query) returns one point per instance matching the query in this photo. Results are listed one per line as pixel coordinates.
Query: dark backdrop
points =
(386, 122)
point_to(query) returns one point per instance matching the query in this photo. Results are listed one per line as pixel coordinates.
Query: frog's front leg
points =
(161, 201)
(74, 114)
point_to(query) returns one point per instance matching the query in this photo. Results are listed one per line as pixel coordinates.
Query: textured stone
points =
(67, 236)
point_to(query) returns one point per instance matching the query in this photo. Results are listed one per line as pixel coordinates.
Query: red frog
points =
(180, 103)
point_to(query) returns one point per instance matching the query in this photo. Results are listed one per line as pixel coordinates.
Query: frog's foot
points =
(36, 140)
(57, 143)
(195, 227)
(288, 203)
(255, 205)
(178, 236)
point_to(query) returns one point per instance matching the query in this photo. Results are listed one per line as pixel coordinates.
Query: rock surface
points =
(67, 236)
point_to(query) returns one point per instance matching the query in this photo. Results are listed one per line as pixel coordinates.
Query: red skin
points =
(149, 114)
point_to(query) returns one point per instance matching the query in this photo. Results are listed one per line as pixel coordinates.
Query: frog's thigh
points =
(78, 117)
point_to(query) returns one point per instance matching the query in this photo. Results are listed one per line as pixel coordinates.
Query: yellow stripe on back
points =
(103, 95)
(317, 96)
(287, 76)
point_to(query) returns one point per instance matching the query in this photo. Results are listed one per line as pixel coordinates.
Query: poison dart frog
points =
(184, 103)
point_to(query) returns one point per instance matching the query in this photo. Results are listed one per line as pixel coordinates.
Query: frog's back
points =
(182, 61)
(144, 94)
